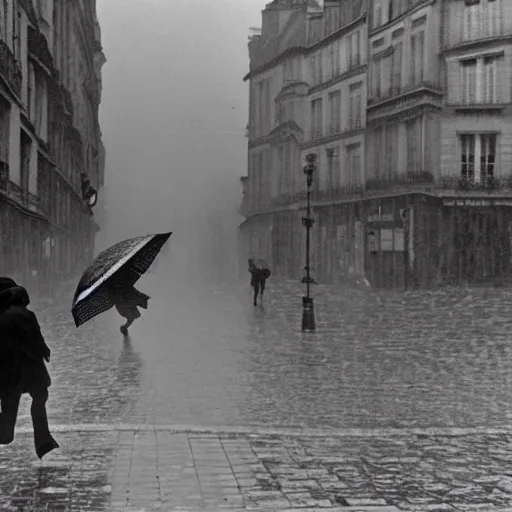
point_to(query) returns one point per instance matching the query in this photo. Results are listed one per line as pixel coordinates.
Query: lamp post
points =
(308, 313)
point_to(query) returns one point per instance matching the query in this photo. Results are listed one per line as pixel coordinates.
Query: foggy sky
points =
(174, 109)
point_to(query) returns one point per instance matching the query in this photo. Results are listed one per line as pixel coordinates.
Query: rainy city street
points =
(203, 356)
(398, 402)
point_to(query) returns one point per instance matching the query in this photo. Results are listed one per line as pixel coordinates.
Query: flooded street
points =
(202, 355)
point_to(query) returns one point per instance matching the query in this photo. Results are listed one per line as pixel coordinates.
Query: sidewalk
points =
(127, 469)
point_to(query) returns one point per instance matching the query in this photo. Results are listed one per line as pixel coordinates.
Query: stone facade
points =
(407, 107)
(51, 154)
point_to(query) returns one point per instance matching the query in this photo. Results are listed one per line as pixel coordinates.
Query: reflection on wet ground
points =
(203, 355)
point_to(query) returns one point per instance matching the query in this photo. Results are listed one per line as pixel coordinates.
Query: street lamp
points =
(308, 313)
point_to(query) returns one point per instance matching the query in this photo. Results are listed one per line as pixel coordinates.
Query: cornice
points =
(306, 49)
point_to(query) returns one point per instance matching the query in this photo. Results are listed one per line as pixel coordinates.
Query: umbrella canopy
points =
(124, 262)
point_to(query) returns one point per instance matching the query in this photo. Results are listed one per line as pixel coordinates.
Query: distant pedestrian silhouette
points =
(259, 275)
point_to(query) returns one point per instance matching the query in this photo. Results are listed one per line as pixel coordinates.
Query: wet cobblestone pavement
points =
(215, 405)
(162, 469)
(205, 356)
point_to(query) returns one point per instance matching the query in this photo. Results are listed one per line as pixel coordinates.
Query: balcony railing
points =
(399, 90)
(488, 183)
(390, 180)
(38, 47)
(10, 68)
(4, 175)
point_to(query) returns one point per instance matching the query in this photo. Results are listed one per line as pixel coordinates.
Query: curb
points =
(280, 432)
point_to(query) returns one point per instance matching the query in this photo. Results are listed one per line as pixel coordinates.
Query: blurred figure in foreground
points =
(22, 369)
(259, 275)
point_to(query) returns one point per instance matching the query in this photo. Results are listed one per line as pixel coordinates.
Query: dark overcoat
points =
(22, 346)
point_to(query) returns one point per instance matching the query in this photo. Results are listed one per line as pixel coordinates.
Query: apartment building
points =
(299, 85)
(51, 154)
(407, 105)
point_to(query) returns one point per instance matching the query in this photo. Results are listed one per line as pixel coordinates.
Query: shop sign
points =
(479, 203)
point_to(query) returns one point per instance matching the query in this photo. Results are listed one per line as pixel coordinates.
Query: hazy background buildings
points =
(173, 116)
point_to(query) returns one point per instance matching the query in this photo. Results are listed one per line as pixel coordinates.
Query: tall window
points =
(477, 148)
(354, 164)
(334, 112)
(355, 106)
(334, 59)
(479, 78)
(417, 57)
(3, 19)
(377, 13)
(354, 49)
(25, 153)
(316, 119)
(377, 151)
(376, 77)
(333, 168)
(490, 65)
(468, 69)
(414, 144)
(482, 18)
(392, 149)
(5, 111)
(316, 68)
(396, 68)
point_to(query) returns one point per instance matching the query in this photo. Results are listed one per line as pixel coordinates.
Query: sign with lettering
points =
(477, 203)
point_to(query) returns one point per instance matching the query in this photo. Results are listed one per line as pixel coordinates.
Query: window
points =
(481, 19)
(395, 8)
(469, 81)
(354, 49)
(391, 149)
(354, 164)
(377, 151)
(355, 106)
(396, 68)
(3, 19)
(376, 77)
(377, 13)
(333, 168)
(316, 119)
(334, 112)
(479, 78)
(334, 59)
(316, 68)
(5, 114)
(474, 148)
(414, 144)
(40, 94)
(489, 80)
(25, 153)
(291, 70)
(417, 57)
(487, 156)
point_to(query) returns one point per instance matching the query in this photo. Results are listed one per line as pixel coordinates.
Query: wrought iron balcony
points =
(391, 180)
(10, 69)
(38, 47)
(487, 183)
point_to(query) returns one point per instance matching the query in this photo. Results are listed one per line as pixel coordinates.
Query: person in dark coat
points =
(22, 368)
(127, 300)
(126, 297)
(259, 276)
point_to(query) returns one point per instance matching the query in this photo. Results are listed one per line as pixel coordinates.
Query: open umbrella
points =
(127, 260)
